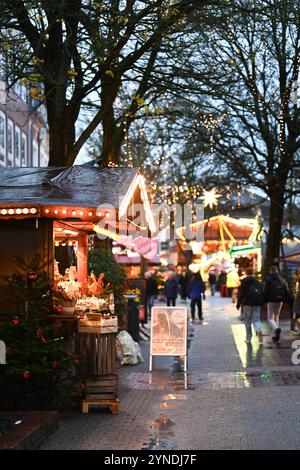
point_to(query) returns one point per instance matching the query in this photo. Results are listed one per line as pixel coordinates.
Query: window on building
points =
(24, 93)
(17, 146)
(10, 143)
(2, 138)
(34, 146)
(24, 150)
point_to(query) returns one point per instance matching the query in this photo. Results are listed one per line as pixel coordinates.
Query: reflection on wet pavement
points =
(162, 436)
(214, 380)
(268, 354)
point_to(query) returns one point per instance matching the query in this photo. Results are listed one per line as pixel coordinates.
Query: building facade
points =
(24, 138)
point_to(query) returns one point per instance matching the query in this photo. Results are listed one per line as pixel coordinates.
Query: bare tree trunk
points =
(276, 214)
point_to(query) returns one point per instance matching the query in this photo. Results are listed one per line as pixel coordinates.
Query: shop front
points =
(57, 214)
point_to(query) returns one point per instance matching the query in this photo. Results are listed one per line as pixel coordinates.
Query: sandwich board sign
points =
(168, 333)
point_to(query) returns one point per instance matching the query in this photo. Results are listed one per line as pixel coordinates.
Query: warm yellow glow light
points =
(210, 198)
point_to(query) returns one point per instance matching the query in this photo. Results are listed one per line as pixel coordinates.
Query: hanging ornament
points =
(32, 277)
(210, 198)
(40, 335)
(26, 374)
(16, 321)
(53, 365)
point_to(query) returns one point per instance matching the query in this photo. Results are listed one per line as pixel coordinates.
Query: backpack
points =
(255, 294)
(278, 291)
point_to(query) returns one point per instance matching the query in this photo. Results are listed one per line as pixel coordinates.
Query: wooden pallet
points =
(112, 404)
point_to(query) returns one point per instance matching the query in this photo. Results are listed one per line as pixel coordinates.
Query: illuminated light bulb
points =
(65, 211)
(47, 211)
(107, 215)
(74, 212)
(4, 212)
(25, 211)
(56, 243)
(90, 214)
(99, 214)
(70, 243)
(19, 211)
(11, 211)
(81, 213)
(63, 244)
(56, 212)
(33, 210)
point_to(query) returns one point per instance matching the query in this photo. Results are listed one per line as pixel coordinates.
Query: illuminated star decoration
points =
(210, 198)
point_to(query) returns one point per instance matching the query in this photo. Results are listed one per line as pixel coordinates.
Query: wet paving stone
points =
(218, 381)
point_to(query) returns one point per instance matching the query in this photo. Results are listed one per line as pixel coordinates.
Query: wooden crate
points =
(97, 353)
(102, 387)
(109, 325)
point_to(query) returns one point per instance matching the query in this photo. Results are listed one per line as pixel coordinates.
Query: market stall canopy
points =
(222, 227)
(68, 193)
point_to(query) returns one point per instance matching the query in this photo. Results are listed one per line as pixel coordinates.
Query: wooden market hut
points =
(39, 206)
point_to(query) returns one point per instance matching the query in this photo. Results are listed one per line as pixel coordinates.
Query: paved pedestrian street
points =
(234, 396)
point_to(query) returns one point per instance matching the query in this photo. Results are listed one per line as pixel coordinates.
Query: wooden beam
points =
(82, 262)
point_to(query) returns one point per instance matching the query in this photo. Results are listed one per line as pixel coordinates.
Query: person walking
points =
(212, 279)
(233, 283)
(295, 327)
(251, 298)
(171, 289)
(151, 287)
(276, 292)
(222, 284)
(183, 282)
(195, 291)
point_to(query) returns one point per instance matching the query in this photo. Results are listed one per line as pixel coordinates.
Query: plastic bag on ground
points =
(131, 351)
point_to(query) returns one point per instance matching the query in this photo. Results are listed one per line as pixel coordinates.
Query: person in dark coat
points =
(276, 293)
(195, 290)
(171, 289)
(251, 298)
(151, 288)
(296, 307)
(212, 279)
(183, 283)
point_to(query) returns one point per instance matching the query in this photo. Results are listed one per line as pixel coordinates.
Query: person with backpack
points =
(251, 298)
(195, 291)
(276, 292)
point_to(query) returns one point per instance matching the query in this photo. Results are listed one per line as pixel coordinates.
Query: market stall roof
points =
(75, 186)
(72, 193)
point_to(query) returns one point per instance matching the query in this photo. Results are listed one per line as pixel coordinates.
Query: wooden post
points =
(82, 262)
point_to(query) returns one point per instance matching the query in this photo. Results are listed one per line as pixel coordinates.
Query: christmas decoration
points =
(210, 198)
(39, 370)
(32, 277)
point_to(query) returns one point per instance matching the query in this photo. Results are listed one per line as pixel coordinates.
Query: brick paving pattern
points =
(232, 397)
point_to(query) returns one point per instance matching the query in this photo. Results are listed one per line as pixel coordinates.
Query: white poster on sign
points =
(168, 332)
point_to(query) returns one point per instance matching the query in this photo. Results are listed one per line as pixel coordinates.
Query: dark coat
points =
(244, 294)
(171, 289)
(151, 286)
(270, 293)
(296, 306)
(196, 288)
